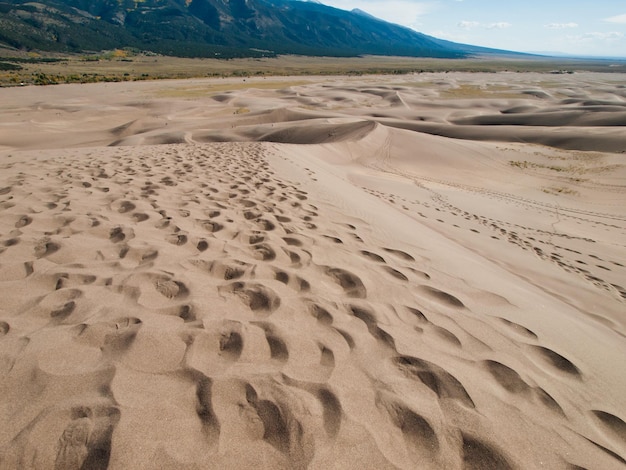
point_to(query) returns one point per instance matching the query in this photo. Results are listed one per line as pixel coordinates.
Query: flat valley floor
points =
(422, 271)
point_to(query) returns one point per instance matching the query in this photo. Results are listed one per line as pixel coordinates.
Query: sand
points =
(426, 271)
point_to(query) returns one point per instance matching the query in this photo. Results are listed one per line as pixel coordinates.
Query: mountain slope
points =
(208, 28)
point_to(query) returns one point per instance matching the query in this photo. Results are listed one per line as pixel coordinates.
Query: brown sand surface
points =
(426, 271)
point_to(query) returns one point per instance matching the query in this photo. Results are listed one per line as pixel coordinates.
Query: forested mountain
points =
(210, 28)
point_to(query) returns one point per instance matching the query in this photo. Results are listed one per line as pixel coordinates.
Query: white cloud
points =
(608, 37)
(499, 25)
(468, 24)
(476, 24)
(611, 35)
(621, 19)
(561, 25)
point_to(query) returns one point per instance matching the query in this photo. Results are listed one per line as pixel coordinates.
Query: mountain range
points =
(213, 28)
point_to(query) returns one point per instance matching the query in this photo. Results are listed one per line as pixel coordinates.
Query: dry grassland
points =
(75, 68)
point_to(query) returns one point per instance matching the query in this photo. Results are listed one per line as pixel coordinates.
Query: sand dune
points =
(367, 272)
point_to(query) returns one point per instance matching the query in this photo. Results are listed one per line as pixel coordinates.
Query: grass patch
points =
(578, 168)
(467, 91)
(9, 66)
(228, 85)
(560, 190)
(524, 164)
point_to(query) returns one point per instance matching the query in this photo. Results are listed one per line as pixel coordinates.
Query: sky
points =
(583, 28)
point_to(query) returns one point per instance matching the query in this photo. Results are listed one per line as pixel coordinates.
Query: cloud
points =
(500, 25)
(621, 19)
(561, 25)
(476, 24)
(468, 24)
(608, 37)
(605, 36)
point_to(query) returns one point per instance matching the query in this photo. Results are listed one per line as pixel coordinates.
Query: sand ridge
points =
(318, 290)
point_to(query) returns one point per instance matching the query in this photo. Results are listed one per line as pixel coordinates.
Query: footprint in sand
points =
(46, 247)
(420, 438)
(113, 337)
(61, 303)
(265, 225)
(11, 242)
(120, 233)
(210, 225)
(23, 221)
(327, 357)
(259, 298)
(332, 411)
(441, 382)
(336, 240)
(418, 314)
(66, 280)
(263, 252)
(125, 206)
(277, 426)
(611, 425)
(292, 241)
(441, 296)
(278, 347)
(204, 407)
(231, 344)
(229, 270)
(547, 399)
(508, 378)
(294, 257)
(372, 256)
(349, 282)
(322, 315)
(445, 335)
(395, 273)
(347, 338)
(400, 254)
(86, 440)
(519, 329)
(557, 361)
(140, 217)
(419, 273)
(368, 317)
(295, 282)
(171, 289)
(177, 239)
(478, 455)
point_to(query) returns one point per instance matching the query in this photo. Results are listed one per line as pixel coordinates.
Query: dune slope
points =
(310, 278)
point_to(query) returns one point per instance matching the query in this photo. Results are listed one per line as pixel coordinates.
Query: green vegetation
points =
(526, 164)
(208, 29)
(9, 66)
(467, 91)
(560, 190)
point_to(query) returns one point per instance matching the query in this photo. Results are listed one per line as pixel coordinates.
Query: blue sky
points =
(595, 27)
